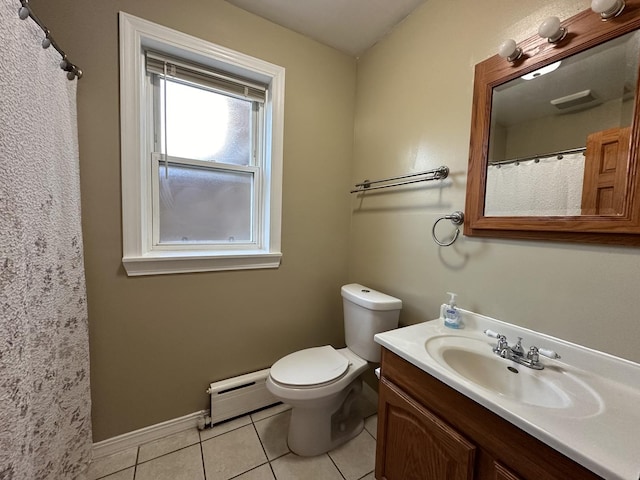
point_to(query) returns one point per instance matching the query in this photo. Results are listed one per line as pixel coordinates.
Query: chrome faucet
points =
(517, 348)
(516, 353)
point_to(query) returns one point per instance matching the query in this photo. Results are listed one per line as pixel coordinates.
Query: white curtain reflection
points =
(550, 187)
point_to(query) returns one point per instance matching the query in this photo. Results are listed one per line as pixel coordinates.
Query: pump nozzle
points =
(452, 300)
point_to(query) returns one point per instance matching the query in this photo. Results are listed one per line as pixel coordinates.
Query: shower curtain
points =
(45, 425)
(550, 187)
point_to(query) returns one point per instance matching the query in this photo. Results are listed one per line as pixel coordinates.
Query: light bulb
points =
(551, 30)
(601, 6)
(23, 13)
(509, 50)
(607, 8)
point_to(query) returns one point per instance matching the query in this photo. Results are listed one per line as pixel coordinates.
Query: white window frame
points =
(140, 257)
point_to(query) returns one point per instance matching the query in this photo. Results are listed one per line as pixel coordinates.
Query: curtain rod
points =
(538, 157)
(72, 70)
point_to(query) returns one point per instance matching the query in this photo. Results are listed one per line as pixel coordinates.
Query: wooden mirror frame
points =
(585, 30)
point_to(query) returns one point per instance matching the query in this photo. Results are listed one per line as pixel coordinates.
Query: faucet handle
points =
(502, 346)
(492, 334)
(502, 341)
(532, 355)
(548, 353)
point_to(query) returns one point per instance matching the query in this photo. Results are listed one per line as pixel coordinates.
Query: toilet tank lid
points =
(369, 298)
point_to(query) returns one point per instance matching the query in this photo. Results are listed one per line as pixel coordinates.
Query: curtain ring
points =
(457, 218)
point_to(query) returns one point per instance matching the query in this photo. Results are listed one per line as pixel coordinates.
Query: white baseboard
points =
(147, 434)
(176, 425)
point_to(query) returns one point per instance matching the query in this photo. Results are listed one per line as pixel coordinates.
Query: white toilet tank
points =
(367, 312)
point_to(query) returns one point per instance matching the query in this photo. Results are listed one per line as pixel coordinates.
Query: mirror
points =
(540, 123)
(553, 141)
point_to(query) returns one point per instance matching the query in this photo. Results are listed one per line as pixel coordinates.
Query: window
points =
(201, 130)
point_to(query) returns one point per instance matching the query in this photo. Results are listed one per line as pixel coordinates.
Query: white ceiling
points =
(351, 26)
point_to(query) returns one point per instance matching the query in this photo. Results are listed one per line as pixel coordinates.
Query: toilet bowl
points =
(322, 384)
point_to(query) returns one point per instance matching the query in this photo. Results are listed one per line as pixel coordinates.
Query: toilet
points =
(322, 384)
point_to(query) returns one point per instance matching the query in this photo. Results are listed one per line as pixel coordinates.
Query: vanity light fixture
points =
(542, 71)
(509, 50)
(552, 30)
(607, 8)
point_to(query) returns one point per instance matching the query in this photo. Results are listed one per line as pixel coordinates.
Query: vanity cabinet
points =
(429, 431)
(429, 447)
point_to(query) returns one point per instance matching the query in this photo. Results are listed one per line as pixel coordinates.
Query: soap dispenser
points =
(451, 314)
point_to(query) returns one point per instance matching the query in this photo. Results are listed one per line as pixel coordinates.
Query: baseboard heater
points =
(239, 395)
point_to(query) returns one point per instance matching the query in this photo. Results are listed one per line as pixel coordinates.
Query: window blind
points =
(223, 82)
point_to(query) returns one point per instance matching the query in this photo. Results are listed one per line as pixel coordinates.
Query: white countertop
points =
(602, 433)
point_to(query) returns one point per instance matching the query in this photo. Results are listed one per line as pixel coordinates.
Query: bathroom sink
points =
(572, 404)
(473, 359)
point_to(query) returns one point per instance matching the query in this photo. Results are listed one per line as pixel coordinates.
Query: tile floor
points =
(252, 447)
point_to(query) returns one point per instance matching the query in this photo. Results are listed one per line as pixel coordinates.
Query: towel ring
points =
(457, 218)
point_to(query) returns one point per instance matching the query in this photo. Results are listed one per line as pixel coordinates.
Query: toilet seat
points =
(311, 367)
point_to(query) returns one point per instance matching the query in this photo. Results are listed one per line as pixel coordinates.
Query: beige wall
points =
(562, 132)
(413, 112)
(156, 342)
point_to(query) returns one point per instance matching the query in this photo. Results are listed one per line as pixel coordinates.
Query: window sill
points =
(161, 263)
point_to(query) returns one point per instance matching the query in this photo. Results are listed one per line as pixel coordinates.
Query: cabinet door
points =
(414, 444)
(503, 473)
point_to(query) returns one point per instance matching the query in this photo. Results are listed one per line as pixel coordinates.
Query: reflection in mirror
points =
(552, 131)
